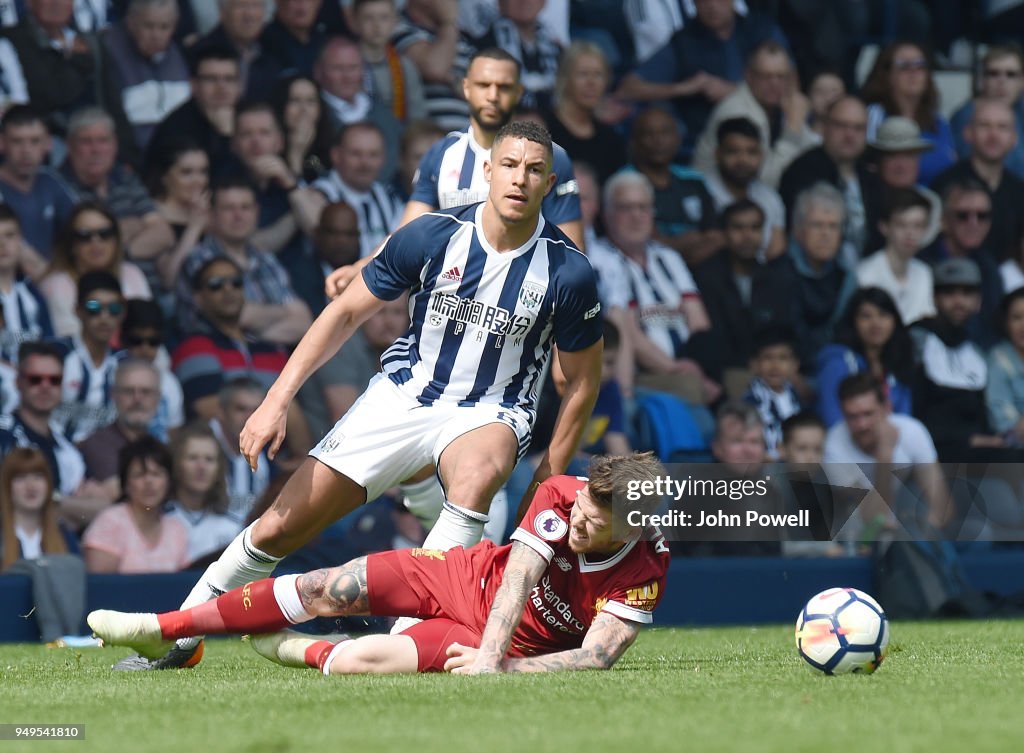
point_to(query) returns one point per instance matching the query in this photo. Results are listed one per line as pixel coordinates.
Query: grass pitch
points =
(951, 686)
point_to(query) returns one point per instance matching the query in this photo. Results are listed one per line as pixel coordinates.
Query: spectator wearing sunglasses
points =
(966, 220)
(88, 242)
(1001, 77)
(142, 336)
(40, 375)
(991, 135)
(89, 363)
(218, 349)
(272, 311)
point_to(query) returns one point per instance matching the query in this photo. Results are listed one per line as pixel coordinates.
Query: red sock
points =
(317, 654)
(249, 609)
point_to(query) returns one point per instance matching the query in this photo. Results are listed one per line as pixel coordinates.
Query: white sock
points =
(334, 652)
(424, 499)
(287, 596)
(239, 564)
(456, 526)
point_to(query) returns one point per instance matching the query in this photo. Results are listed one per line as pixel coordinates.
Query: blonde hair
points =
(21, 461)
(570, 57)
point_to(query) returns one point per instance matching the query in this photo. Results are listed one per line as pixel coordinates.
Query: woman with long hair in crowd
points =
(136, 536)
(179, 182)
(89, 241)
(200, 496)
(870, 337)
(900, 83)
(581, 83)
(306, 127)
(33, 542)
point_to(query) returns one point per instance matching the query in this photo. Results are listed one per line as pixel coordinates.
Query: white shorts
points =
(386, 436)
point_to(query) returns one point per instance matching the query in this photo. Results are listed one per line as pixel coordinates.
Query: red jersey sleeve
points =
(634, 592)
(546, 522)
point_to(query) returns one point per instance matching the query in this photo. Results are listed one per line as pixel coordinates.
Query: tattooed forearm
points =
(522, 572)
(606, 641)
(337, 591)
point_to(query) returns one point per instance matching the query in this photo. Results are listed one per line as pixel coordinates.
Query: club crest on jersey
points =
(549, 526)
(531, 295)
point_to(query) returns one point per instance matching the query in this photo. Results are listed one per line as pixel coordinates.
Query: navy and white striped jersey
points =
(65, 460)
(451, 174)
(378, 209)
(482, 322)
(87, 391)
(9, 397)
(26, 318)
(657, 291)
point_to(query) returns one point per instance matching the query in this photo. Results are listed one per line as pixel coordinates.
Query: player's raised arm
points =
(582, 372)
(329, 331)
(523, 571)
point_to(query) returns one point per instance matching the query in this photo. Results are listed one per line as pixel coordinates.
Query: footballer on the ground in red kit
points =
(563, 595)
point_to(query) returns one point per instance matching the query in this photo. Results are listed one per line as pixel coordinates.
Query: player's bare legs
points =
(272, 604)
(314, 497)
(473, 468)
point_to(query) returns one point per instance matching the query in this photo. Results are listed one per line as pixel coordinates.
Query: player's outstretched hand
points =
(462, 660)
(266, 426)
(339, 279)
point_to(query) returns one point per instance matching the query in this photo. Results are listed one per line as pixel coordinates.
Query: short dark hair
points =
(740, 207)
(359, 125)
(140, 313)
(738, 127)
(90, 282)
(250, 106)
(230, 182)
(144, 449)
(496, 53)
(7, 214)
(802, 420)
(859, 384)
(203, 52)
(901, 200)
(200, 270)
(966, 184)
(40, 348)
(772, 335)
(524, 129)
(22, 115)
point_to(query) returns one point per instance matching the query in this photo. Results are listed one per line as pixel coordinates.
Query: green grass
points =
(954, 686)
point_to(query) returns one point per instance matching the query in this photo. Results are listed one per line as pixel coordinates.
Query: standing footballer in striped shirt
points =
(493, 287)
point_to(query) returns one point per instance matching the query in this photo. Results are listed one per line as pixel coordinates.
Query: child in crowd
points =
(802, 481)
(894, 269)
(775, 365)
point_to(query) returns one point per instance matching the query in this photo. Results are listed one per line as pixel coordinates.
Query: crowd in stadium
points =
(814, 265)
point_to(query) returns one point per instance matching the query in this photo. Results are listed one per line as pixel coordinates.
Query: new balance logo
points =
(563, 564)
(452, 274)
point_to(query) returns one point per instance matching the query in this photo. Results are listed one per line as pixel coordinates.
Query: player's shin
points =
(240, 563)
(263, 606)
(456, 526)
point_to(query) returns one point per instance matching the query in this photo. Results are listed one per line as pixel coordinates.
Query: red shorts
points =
(444, 589)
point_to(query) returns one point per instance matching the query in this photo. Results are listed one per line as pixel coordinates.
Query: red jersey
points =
(575, 587)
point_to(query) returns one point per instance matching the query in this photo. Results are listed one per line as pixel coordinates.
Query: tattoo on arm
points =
(522, 572)
(605, 641)
(336, 591)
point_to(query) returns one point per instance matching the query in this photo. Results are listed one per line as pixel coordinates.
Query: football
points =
(842, 630)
